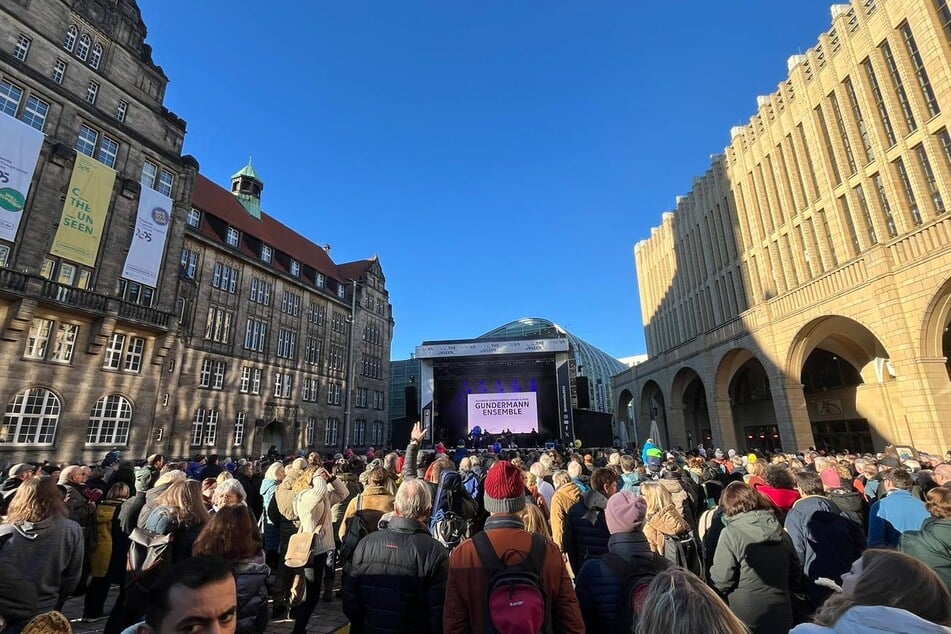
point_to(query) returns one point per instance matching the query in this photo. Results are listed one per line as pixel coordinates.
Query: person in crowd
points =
(312, 506)
(837, 483)
(181, 511)
(42, 543)
(942, 475)
(599, 583)
(567, 494)
(897, 513)
(662, 519)
(630, 477)
(284, 498)
(72, 482)
(534, 494)
(932, 543)
(17, 475)
(397, 582)
(756, 473)
(198, 594)
(678, 602)
(374, 502)
(534, 520)
(211, 469)
(151, 497)
(545, 487)
(271, 516)
(467, 586)
(826, 540)
(780, 488)
(229, 534)
(755, 565)
(885, 591)
(107, 563)
(229, 493)
(148, 474)
(586, 531)
(345, 473)
(682, 494)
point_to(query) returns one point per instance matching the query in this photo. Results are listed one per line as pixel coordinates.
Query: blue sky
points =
(502, 158)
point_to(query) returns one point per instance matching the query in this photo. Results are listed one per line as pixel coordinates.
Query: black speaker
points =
(584, 396)
(412, 403)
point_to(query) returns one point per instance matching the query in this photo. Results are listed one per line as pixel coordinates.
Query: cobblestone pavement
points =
(328, 618)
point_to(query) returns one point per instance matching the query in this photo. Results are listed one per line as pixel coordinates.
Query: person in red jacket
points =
(467, 588)
(780, 488)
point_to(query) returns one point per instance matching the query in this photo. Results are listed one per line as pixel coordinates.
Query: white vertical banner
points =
(144, 260)
(19, 150)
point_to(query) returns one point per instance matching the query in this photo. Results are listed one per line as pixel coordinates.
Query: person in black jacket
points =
(586, 531)
(398, 579)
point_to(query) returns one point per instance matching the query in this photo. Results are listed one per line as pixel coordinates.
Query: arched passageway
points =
(653, 409)
(751, 403)
(690, 395)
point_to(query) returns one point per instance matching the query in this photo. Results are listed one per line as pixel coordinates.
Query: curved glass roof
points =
(592, 362)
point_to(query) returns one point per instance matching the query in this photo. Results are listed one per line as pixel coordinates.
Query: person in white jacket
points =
(312, 506)
(886, 591)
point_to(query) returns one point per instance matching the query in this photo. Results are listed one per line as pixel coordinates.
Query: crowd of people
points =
(511, 541)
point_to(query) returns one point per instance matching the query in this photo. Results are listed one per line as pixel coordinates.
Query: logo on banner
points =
(160, 216)
(19, 152)
(11, 199)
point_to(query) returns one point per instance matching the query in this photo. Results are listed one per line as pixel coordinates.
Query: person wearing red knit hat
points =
(467, 587)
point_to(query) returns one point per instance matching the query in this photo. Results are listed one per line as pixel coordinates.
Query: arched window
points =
(31, 418)
(109, 421)
(82, 51)
(96, 58)
(70, 42)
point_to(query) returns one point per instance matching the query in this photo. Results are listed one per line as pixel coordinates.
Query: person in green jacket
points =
(932, 543)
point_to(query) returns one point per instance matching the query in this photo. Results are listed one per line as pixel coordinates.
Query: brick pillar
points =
(792, 416)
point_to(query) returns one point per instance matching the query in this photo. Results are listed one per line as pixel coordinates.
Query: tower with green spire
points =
(247, 186)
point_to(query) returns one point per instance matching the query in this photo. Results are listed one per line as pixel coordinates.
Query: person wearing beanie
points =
(599, 582)
(467, 587)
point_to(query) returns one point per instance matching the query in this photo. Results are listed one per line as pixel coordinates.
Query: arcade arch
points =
(653, 409)
(689, 395)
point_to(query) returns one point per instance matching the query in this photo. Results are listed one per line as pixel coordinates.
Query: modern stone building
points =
(84, 339)
(800, 294)
(275, 334)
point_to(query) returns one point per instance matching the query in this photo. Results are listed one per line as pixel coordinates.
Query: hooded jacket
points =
(891, 516)
(682, 500)
(586, 530)
(869, 619)
(782, 498)
(631, 482)
(151, 501)
(50, 554)
(932, 545)
(755, 566)
(252, 594)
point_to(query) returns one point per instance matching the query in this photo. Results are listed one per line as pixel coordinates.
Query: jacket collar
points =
(503, 521)
(406, 525)
(629, 544)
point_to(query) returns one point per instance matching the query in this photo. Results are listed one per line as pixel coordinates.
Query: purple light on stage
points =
(534, 386)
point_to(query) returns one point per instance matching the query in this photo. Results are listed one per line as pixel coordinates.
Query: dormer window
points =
(295, 268)
(320, 280)
(194, 218)
(267, 254)
(234, 236)
(341, 290)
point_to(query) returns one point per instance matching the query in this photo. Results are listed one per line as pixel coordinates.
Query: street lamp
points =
(348, 400)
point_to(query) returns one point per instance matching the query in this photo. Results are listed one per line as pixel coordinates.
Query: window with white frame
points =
(59, 71)
(267, 253)
(283, 384)
(31, 418)
(377, 399)
(361, 400)
(261, 291)
(63, 337)
(320, 280)
(189, 263)
(315, 314)
(377, 434)
(95, 58)
(122, 109)
(135, 292)
(308, 391)
(133, 355)
(295, 268)
(341, 290)
(35, 112)
(88, 143)
(255, 335)
(218, 325)
(311, 430)
(330, 432)
(290, 303)
(22, 48)
(108, 151)
(124, 352)
(312, 351)
(212, 374)
(39, 338)
(82, 48)
(194, 218)
(225, 278)
(360, 433)
(157, 178)
(336, 357)
(233, 237)
(204, 427)
(250, 380)
(239, 421)
(286, 344)
(92, 92)
(333, 393)
(69, 42)
(338, 323)
(10, 97)
(109, 421)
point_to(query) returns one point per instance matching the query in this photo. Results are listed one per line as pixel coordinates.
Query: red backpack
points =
(516, 600)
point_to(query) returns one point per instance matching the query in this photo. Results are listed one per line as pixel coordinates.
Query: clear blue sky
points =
(501, 157)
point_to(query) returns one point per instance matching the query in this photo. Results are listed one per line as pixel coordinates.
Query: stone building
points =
(90, 261)
(800, 294)
(274, 335)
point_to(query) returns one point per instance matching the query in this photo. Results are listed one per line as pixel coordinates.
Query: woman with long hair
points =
(534, 519)
(755, 564)
(109, 558)
(229, 535)
(181, 510)
(678, 602)
(886, 591)
(43, 545)
(662, 519)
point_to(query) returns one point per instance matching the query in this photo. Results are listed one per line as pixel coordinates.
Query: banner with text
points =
(494, 413)
(144, 260)
(20, 146)
(84, 214)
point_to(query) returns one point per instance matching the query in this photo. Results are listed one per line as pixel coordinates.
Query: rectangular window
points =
(886, 208)
(286, 344)
(341, 290)
(336, 357)
(225, 278)
(880, 102)
(108, 152)
(149, 174)
(312, 351)
(850, 225)
(309, 390)
(114, 352)
(239, 428)
(867, 214)
(244, 383)
(290, 303)
(944, 16)
(39, 338)
(283, 384)
(87, 141)
(10, 97)
(189, 263)
(261, 292)
(22, 48)
(826, 233)
(311, 430)
(255, 335)
(920, 72)
(218, 325)
(330, 432)
(361, 400)
(134, 353)
(212, 374)
(827, 142)
(233, 237)
(859, 120)
(59, 71)
(909, 192)
(266, 253)
(378, 399)
(35, 112)
(898, 86)
(333, 393)
(194, 218)
(92, 92)
(315, 314)
(122, 109)
(319, 280)
(359, 433)
(928, 173)
(166, 181)
(295, 268)
(843, 132)
(205, 427)
(250, 380)
(204, 375)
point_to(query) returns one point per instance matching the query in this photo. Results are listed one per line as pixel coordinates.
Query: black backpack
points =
(362, 523)
(516, 602)
(635, 577)
(682, 550)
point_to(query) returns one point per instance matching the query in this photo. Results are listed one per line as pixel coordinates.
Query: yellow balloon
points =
(577, 443)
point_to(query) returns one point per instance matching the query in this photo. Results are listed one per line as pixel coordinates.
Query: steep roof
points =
(249, 171)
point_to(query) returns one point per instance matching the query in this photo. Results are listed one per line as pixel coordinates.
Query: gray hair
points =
(560, 478)
(231, 486)
(390, 461)
(413, 499)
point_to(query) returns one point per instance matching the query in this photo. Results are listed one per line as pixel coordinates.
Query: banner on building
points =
(84, 214)
(152, 220)
(19, 150)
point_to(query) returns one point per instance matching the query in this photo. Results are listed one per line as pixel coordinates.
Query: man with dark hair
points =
(212, 469)
(196, 595)
(897, 513)
(586, 530)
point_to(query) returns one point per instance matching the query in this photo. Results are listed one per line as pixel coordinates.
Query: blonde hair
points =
(35, 500)
(678, 602)
(529, 478)
(535, 521)
(273, 470)
(186, 498)
(223, 476)
(170, 477)
(657, 497)
(305, 480)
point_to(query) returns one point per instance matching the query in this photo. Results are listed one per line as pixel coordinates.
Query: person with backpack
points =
(586, 532)
(397, 579)
(505, 562)
(363, 514)
(662, 520)
(610, 587)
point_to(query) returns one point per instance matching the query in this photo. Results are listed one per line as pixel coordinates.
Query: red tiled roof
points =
(354, 270)
(211, 198)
